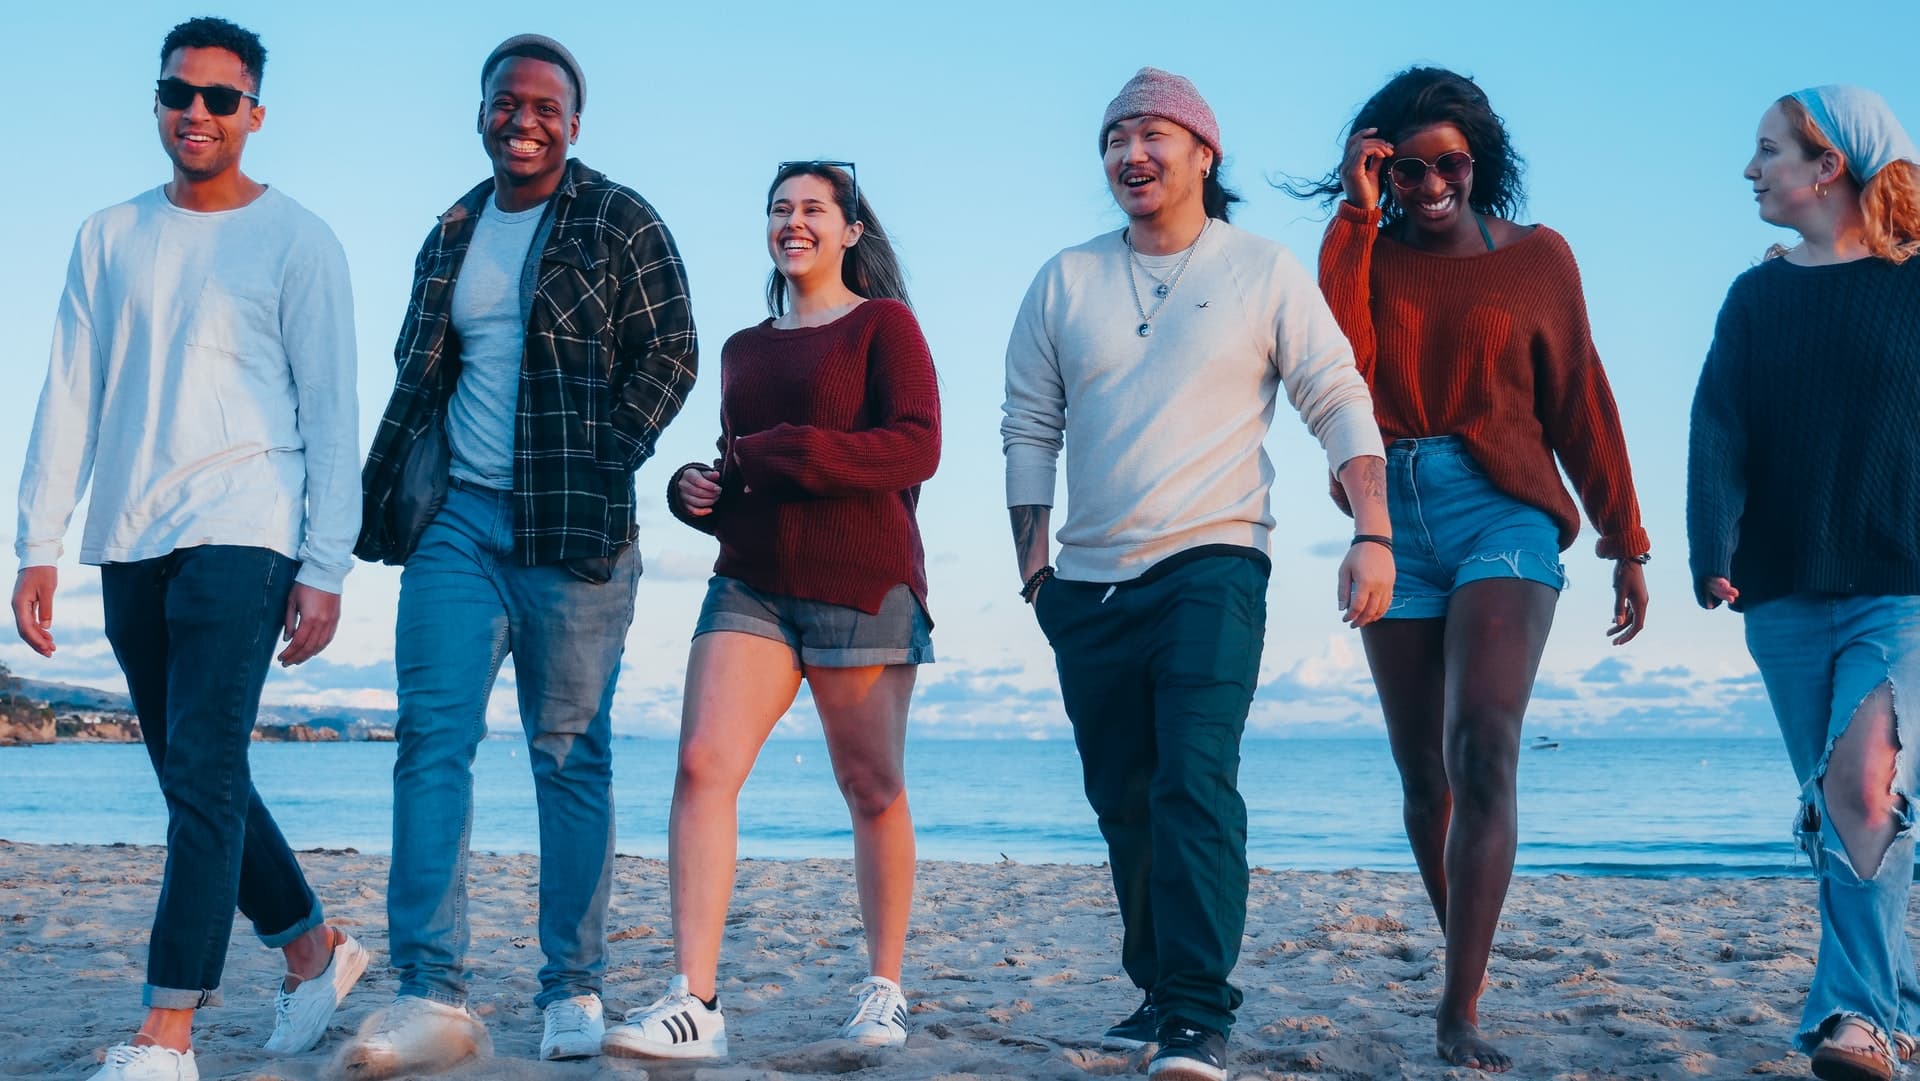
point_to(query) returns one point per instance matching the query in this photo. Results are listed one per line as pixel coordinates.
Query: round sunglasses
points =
(1453, 167)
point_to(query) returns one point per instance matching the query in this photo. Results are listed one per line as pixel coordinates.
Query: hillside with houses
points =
(33, 712)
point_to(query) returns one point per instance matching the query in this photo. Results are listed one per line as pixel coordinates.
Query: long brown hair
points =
(869, 268)
(1890, 201)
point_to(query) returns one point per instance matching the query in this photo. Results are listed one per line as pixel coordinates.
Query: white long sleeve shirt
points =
(1165, 434)
(202, 378)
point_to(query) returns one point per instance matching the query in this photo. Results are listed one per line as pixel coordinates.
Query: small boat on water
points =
(1542, 743)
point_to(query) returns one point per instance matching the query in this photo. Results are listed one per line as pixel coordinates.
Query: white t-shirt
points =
(1164, 434)
(492, 325)
(202, 378)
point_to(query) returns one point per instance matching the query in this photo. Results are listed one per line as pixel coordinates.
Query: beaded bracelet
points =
(1033, 583)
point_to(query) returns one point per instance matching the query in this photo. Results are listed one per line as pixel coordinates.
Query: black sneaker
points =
(1136, 1031)
(1189, 1054)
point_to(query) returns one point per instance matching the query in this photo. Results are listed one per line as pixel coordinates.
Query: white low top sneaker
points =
(129, 1063)
(677, 1026)
(574, 1028)
(880, 1018)
(414, 1035)
(301, 1016)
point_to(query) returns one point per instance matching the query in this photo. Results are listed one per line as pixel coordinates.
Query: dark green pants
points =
(1157, 677)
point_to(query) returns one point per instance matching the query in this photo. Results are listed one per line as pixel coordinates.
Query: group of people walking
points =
(202, 380)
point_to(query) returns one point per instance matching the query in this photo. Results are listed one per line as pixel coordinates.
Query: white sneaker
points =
(414, 1035)
(880, 1019)
(301, 1016)
(678, 1025)
(129, 1063)
(575, 1027)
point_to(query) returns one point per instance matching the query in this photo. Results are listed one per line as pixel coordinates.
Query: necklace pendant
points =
(1145, 329)
(1161, 290)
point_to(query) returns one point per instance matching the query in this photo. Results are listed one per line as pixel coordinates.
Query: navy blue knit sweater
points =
(1803, 474)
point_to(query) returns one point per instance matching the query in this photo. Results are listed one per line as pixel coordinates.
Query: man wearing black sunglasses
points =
(548, 342)
(202, 381)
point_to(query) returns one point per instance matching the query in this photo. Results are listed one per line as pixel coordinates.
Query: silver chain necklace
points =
(1163, 289)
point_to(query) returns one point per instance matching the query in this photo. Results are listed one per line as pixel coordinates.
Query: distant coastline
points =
(35, 713)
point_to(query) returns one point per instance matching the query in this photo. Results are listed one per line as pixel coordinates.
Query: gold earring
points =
(1818, 191)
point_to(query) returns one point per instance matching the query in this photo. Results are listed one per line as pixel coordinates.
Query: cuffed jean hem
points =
(280, 939)
(173, 998)
(458, 1000)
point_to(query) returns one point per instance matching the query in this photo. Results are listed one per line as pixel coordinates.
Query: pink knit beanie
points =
(1152, 92)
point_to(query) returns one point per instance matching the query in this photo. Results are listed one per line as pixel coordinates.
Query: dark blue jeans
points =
(1157, 677)
(194, 632)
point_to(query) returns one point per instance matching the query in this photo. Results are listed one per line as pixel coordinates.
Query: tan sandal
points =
(1906, 1046)
(1832, 1062)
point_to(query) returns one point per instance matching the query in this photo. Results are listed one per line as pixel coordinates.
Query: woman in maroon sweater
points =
(1471, 331)
(829, 422)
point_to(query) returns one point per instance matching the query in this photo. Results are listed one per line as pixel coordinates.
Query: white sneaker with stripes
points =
(880, 1018)
(678, 1025)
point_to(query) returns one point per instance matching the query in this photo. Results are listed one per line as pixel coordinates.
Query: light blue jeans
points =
(1821, 657)
(465, 604)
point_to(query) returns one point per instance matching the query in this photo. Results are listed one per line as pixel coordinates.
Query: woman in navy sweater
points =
(1803, 512)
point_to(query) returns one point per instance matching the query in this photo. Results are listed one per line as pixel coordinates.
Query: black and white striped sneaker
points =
(880, 1018)
(678, 1025)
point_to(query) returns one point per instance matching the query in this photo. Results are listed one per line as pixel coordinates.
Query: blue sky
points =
(974, 127)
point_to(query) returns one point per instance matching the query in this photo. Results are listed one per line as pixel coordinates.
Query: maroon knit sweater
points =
(1493, 348)
(825, 436)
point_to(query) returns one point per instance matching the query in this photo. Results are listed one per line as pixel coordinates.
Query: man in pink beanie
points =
(1158, 612)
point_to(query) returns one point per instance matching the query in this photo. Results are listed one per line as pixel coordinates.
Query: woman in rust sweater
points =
(830, 420)
(1472, 332)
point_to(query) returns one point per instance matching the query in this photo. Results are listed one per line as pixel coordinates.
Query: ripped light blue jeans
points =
(1451, 526)
(1822, 656)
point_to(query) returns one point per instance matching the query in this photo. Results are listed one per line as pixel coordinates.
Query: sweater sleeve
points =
(1575, 405)
(1717, 451)
(66, 426)
(1034, 415)
(901, 450)
(1316, 367)
(705, 523)
(1346, 269)
(316, 316)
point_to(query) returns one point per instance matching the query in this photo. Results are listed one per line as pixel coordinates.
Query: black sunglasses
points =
(1453, 167)
(853, 175)
(179, 94)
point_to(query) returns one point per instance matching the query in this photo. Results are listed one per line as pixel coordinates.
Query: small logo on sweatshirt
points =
(1204, 304)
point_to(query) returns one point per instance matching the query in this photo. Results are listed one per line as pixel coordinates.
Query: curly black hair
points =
(207, 32)
(1420, 97)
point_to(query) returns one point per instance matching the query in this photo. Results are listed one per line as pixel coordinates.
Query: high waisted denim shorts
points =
(822, 635)
(1451, 526)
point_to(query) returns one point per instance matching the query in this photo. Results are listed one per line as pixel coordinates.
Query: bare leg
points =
(1408, 661)
(738, 686)
(171, 1029)
(1496, 630)
(864, 713)
(309, 955)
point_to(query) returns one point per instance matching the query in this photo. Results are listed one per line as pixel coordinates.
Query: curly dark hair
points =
(207, 32)
(1420, 97)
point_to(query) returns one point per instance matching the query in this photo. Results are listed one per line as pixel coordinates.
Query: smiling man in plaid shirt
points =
(548, 341)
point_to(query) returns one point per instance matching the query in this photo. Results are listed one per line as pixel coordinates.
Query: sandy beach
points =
(1012, 970)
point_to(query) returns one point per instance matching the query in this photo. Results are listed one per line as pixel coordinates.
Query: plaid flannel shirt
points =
(610, 356)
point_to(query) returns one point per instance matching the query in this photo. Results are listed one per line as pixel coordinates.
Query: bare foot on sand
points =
(1460, 1043)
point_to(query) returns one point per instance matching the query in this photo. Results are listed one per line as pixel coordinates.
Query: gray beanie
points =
(541, 41)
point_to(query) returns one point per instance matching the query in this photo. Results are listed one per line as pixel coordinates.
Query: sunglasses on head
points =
(1453, 167)
(853, 175)
(179, 94)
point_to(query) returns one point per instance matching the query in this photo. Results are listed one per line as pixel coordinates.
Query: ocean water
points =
(1715, 807)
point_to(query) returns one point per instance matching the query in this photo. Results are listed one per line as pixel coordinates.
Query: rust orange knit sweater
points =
(1494, 349)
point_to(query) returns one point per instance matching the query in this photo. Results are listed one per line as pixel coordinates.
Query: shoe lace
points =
(876, 1004)
(566, 1017)
(125, 1054)
(282, 1007)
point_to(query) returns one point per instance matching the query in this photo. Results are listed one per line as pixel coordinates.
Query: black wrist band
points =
(1033, 583)
(1373, 538)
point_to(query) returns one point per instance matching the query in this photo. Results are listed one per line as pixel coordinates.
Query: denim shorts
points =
(823, 635)
(1451, 526)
